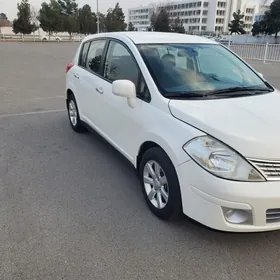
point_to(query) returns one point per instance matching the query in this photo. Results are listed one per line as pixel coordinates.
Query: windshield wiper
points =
(184, 95)
(238, 91)
(233, 91)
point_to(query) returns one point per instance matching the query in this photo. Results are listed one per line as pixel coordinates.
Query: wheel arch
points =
(69, 92)
(145, 146)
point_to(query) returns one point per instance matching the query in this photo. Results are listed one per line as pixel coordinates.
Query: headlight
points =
(220, 160)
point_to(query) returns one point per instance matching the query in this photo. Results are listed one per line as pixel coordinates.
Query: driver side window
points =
(120, 64)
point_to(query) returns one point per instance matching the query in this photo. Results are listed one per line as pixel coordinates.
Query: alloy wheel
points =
(73, 114)
(156, 185)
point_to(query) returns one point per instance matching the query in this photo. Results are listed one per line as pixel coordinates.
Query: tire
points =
(166, 209)
(73, 114)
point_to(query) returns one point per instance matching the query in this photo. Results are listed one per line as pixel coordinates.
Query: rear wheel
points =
(160, 184)
(73, 114)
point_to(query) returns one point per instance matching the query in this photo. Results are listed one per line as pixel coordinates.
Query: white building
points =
(199, 15)
(262, 9)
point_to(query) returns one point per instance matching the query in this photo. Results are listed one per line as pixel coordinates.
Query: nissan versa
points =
(197, 122)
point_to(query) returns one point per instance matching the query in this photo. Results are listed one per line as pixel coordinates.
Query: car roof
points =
(146, 37)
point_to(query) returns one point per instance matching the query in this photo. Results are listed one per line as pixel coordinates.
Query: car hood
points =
(250, 125)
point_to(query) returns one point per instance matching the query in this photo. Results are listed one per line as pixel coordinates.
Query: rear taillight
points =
(69, 66)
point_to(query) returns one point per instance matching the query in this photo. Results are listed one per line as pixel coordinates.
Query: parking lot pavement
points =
(270, 70)
(71, 206)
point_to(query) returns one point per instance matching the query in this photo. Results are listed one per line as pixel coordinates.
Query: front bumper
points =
(204, 196)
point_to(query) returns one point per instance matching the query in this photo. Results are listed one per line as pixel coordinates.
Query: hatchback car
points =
(198, 123)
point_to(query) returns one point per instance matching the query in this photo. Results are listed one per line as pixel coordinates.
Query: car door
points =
(90, 81)
(122, 124)
(78, 74)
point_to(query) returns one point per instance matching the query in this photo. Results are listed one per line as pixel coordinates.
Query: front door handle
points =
(100, 90)
(76, 76)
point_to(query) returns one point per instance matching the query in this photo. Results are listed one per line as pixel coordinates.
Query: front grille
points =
(270, 169)
(273, 215)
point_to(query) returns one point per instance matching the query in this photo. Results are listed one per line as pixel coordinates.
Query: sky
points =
(9, 7)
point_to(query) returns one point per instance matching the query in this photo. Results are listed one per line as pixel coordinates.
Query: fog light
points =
(238, 216)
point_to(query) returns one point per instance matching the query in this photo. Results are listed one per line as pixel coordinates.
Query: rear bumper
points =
(205, 198)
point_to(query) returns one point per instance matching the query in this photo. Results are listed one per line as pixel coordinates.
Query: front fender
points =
(172, 142)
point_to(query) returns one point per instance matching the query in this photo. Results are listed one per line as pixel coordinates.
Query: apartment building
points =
(251, 11)
(140, 17)
(261, 10)
(199, 15)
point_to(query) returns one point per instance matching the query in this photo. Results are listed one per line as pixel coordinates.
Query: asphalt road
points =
(71, 206)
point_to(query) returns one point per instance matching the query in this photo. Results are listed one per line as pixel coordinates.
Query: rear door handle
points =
(76, 76)
(100, 90)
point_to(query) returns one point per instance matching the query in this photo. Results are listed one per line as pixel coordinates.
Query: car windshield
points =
(199, 70)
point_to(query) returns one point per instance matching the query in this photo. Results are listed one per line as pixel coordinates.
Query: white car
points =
(50, 38)
(197, 122)
(224, 40)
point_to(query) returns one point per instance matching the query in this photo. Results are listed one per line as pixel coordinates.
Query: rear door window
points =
(94, 56)
(83, 54)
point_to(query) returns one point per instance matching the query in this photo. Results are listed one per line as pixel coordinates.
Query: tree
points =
(272, 19)
(178, 26)
(3, 21)
(50, 17)
(259, 27)
(160, 20)
(270, 24)
(70, 16)
(237, 24)
(131, 27)
(34, 18)
(68, 7)
(23, 22)
(87, 21)
(115, 19)
(3, 16)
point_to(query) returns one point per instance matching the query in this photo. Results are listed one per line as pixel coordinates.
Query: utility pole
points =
(79, 24)
(97, 16)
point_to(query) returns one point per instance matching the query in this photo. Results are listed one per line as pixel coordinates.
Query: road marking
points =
(32, 113)
(15, 88)
(35, 98)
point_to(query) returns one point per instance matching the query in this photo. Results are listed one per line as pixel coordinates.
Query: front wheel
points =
(160, 184)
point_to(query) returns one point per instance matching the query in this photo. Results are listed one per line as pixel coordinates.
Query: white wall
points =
(249, 39)
(211, 17)
(40, 32)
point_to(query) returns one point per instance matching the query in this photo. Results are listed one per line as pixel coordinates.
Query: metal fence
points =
(264, 52)
(38, 38)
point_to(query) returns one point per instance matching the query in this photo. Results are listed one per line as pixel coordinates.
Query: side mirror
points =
(125, 88)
